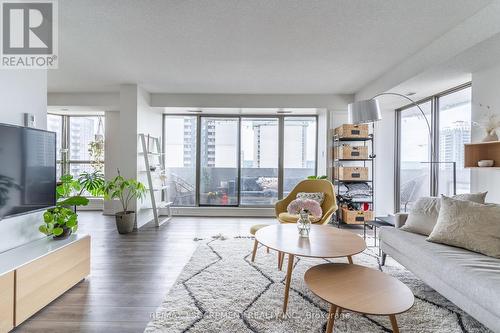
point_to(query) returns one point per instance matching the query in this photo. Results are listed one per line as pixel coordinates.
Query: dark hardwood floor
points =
(131, 274)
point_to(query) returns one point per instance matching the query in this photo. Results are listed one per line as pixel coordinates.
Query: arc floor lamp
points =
(368, 111)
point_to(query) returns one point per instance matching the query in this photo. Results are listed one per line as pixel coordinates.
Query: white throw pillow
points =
(468, 225)
(424, 214)
(319, 197)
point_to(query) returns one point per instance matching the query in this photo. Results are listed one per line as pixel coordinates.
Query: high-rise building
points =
(452, 140)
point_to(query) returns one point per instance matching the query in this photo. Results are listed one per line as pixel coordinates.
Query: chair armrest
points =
(400, 219)
(280, 207)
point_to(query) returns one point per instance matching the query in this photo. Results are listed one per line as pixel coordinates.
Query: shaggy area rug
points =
(221, 290)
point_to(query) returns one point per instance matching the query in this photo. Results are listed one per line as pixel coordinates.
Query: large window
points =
(449, 115)
(259, 161)
(299, 150)
(219, 161)
(237, 159)
(414, 150)
(454, 132)
(79, 143)
(180, 162)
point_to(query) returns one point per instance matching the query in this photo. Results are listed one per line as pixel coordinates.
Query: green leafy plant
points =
(57, 220)
(62, 218)
(124, 190)
(317, 177)
(68, 187)
(92, 182)
(96, 153)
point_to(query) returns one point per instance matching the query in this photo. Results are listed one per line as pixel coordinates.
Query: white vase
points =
(491, 136)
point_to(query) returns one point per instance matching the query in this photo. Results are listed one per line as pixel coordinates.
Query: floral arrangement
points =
(309, 206)
(489, 123)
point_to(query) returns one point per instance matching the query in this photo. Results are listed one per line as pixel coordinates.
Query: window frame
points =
(64, 159)
(434, 167)
(281, 128)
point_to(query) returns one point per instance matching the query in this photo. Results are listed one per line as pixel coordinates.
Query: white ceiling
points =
(241, 46)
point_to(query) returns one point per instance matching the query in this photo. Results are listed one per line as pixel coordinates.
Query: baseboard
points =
(221, 211)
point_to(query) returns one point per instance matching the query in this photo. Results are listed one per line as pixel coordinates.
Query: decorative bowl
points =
(485, 163)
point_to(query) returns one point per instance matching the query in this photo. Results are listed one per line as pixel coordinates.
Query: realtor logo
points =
(29, 34)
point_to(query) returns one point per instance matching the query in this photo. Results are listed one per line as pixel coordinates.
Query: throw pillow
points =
(319, 197)
(468, 225)
(424, 214)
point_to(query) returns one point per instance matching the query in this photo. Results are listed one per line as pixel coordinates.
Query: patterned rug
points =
(221, 290)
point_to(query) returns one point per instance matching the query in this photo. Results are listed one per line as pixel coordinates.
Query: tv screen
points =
(27, 170)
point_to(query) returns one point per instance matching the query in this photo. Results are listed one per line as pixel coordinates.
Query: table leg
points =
(279, 260)
(288, 280)
(340, 311)
(255, 244)
(394, 323)
(349, 258)
(267, 249)
(282, 260)
(331, 318)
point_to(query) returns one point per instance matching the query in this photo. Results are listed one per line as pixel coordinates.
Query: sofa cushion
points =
(425, 212)
(471, 274)
(469, 225)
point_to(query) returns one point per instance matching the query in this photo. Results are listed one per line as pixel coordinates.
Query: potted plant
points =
(92, 182)
(60, 221)
(125, 190)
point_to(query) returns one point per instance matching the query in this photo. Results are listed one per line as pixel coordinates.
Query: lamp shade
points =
(362, 112)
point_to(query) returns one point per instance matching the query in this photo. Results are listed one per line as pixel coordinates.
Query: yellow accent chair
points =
(329, 205)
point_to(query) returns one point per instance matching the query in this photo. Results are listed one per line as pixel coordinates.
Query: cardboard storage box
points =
(356, 216)
(351, 173)
(352, 131)
(348, 152)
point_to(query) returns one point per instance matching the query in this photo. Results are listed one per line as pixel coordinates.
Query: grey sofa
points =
(468, 279)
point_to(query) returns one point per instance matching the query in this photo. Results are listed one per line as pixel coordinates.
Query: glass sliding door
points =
(299, 151)
(259, 161)
(180, 159)
(454, 132)
(219, 161)
(414, 148)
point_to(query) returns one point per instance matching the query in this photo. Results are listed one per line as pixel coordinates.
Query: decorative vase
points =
(304, 224)
(491, 136)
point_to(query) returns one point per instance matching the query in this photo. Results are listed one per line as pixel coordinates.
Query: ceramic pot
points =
(125, 222)
(64, 235)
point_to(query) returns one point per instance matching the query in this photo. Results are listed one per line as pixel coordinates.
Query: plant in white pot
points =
(125, 190)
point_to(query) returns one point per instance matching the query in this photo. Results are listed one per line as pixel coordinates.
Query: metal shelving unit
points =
(369, 162)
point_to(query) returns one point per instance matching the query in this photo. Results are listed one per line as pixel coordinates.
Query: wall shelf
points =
(475, 152)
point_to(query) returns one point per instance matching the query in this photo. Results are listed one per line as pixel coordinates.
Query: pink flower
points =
(310, 206)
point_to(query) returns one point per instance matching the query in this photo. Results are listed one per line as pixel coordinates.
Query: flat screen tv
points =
(27, 170)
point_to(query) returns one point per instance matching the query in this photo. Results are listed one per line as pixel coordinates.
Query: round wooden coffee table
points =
(323, 242)
(359, 289)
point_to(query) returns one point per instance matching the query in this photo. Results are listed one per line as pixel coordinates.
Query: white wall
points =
(22, 91)
(149, 121)
(485, 91)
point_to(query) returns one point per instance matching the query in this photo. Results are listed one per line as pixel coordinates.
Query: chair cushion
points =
(256, 227)
(292, 218)
(319, 197)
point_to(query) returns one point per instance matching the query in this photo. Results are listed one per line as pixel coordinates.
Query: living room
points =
(250, 166)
